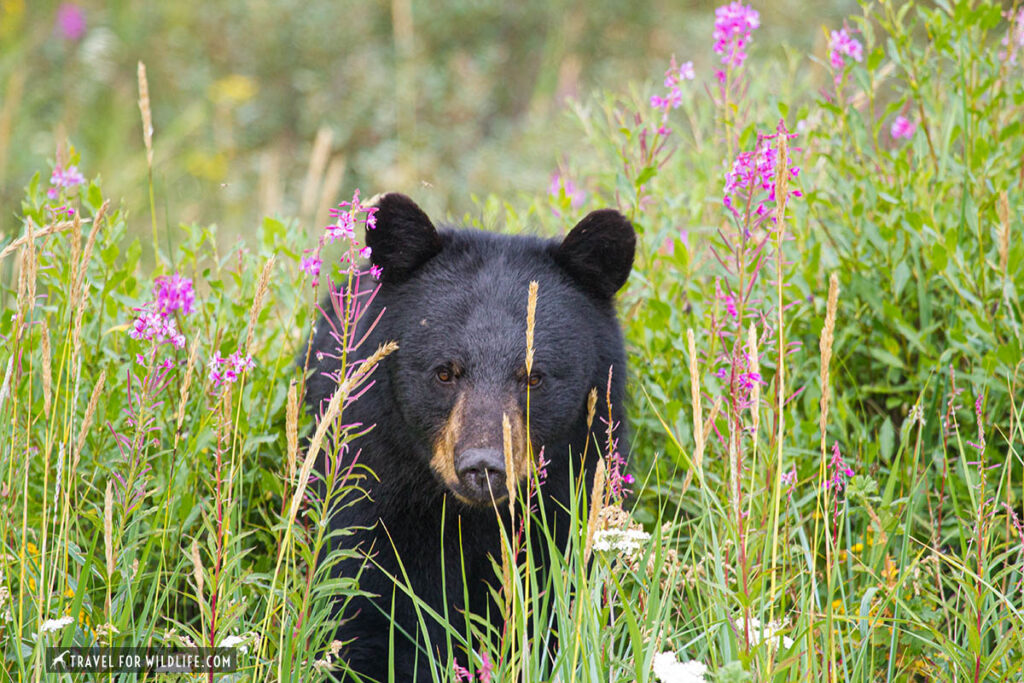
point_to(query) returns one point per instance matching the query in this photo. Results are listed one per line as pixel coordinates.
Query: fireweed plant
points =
(824, 323)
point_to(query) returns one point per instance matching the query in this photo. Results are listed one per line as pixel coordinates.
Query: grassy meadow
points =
(824, 325)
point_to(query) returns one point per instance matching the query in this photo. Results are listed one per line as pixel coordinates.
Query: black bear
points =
(455, 301)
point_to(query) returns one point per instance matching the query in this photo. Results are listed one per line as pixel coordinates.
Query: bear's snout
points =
(469, 452)
(481, 472)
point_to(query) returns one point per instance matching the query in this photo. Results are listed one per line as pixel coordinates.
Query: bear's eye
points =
(445, 374)
(534, 380)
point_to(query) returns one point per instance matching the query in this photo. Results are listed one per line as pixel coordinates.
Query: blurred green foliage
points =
(442, 99)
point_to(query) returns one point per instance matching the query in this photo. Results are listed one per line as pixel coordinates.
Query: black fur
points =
(461, 295)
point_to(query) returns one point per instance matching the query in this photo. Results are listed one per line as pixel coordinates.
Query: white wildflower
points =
(51, 625)
(243, 641)
(668, 669)
(620, 540)
(763, 633)
(106, 631)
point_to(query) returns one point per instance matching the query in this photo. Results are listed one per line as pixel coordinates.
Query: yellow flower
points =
(235, 88)
(11, 12)
(213, 167)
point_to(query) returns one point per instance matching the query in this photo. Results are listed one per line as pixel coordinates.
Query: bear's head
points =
(456, 303)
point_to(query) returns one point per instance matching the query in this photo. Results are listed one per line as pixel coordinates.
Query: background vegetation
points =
(282, 108)
(828, 476)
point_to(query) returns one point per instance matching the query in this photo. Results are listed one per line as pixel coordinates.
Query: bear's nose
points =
(482, 470)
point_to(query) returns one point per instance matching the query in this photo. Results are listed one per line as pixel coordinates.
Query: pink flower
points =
(747, 380)
(840, 471)
(60, 177)
(685, 72)
(674, 76)
(365, 252)
(228, 370)
(733, 24)
(311, 265)
(215, 362)
(376, 272)
(174, 293)
(842, 44)
(730, 306)
(70, 22)
(753, 170)
(342, 228)
(462, 674)
(560, 184)
(484, 672)
(152, 326)
(902, 127)
(788, 479)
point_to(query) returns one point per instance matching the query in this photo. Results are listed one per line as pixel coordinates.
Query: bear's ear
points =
(598, 252)
(403, 239)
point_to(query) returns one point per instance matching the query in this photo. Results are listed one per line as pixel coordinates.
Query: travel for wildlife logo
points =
(141, 659)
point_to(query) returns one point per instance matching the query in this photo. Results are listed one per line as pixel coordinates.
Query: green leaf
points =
(940, 258)
(645, 175)
(899, 278)
(94, 197)
(886, 438)
(875, 58)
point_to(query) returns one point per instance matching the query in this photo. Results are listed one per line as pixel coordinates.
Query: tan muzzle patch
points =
(443, 457)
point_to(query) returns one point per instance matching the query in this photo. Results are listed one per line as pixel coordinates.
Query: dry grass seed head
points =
(108, 527)
(90, 243)
(42, 232)
(257, 302)
(22, 292)
(596, 505)
(591, 407)
(76, 250)
(47, 371)
(197, 570)
(189, 370)
(531, 321)
(510, 467)
(698, 432)
(827, 337)
(591, 411)
(87, 422)
(292, 429)
(147, 114)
